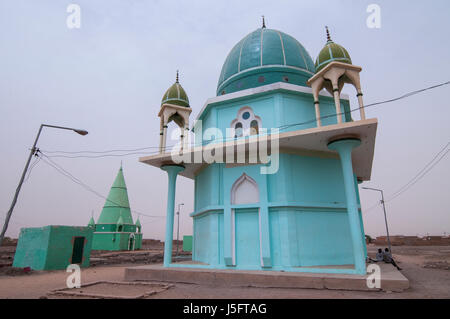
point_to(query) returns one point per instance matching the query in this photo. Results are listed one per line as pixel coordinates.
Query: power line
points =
(427, 168)
(103, 152)
(372, 207)
(68, 175)
(369, 105)
(398, 193)
(283, 127)
(102, 156)
(400, 190)
(36, 161)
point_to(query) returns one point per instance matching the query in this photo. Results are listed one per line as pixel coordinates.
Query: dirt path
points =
(424, 282)
(39, 284)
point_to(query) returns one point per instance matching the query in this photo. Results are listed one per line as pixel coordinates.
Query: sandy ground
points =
(425, 282)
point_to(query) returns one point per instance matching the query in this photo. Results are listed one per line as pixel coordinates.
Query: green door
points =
(77, 253)
(131, 243)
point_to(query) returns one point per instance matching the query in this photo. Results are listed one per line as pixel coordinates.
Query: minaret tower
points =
(174, 107)
(334, 68)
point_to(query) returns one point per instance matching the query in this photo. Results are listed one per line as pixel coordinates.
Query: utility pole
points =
(178, 226)
(32, 152)
(385, 218)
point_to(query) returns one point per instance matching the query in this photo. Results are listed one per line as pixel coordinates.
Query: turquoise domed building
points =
(276, 161)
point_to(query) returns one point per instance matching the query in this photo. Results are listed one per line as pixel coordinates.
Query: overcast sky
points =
(108, 77)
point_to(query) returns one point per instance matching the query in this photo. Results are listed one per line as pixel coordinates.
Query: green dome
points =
(262, 57)
(332, 52)
(176, 95)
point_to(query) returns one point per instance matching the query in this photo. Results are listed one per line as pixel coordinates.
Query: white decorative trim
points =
(244, 177)
(282, 47)
(262, 35)
(301, 53)
(263, 89)
(114, 232)
(233, 237)
(134, 241)
(240, 54)
(260, 237)
(263, 67)
(246, 123)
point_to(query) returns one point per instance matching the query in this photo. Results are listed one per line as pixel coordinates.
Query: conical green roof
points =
(138, 223)
(91, 222)
(116, 205)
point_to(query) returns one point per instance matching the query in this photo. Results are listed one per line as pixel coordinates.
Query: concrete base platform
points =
(391, 278)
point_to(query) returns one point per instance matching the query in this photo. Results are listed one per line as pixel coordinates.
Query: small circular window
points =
(246, 115)
(285, 79)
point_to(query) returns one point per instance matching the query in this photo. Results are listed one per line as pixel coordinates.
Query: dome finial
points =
(177, 77)
(264, 22)
(328, 33)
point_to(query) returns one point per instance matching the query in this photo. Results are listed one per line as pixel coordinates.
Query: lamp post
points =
(178, 225)
(385, 218)
(32, 151)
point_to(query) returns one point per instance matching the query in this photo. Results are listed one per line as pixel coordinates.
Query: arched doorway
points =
(131, 242)
(245, 223)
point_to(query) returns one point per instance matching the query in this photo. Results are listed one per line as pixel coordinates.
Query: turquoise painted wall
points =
(308, 223)
(51, 247)
(32, 248)
(276, 108)
(301, 218)
(247, 237)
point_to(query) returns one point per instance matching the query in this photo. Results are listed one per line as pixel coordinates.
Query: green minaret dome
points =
(176, 95)
(117, 206)
(263, 57)
(330, 53)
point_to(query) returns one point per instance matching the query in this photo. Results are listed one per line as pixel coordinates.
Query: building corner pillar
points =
(172, 172)
(344, 147)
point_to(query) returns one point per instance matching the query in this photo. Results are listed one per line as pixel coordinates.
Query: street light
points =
(178, 225)
(33, 150)
(385, 218)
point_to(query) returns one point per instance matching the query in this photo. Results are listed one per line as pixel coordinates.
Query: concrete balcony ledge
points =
(307, 142)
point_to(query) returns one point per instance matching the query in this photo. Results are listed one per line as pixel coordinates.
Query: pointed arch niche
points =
(246, 123)
(244, 191)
